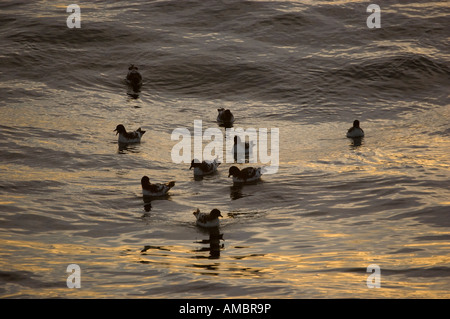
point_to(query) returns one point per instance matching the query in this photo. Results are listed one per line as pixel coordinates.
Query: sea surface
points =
(70, 195)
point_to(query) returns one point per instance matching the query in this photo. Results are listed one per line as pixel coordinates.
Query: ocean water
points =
(70, 195)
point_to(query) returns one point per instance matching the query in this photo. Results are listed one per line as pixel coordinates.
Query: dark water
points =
(68, 194)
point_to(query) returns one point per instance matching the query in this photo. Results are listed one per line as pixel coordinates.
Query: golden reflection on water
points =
(27, 173)
(311, 274)
(346, 272)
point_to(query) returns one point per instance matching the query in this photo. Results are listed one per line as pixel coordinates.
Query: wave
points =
(406, 66)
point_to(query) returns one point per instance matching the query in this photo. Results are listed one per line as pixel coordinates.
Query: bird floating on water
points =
(208, 220)
(355, 130)
(134, 78)
(248, 174)
(204, 168)
(225, 117)
(128, 137)
(155, 190)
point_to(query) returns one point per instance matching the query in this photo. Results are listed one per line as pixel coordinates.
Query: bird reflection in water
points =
(214, 243)
(356, 142)
(128, 148)
(147, 208)
(236, 191)
(133, 95)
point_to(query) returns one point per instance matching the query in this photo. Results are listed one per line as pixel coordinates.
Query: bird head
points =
(233, 171)
(195, 163)
(145, 180)
(120, 129)
(215, 213)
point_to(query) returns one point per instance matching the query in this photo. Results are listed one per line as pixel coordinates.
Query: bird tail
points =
(171, 184)
(196, 212)
(141, 131)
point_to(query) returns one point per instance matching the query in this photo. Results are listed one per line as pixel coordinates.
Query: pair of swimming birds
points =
(248, 174)
(158, 189)
(224, 117)
(202, 219)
